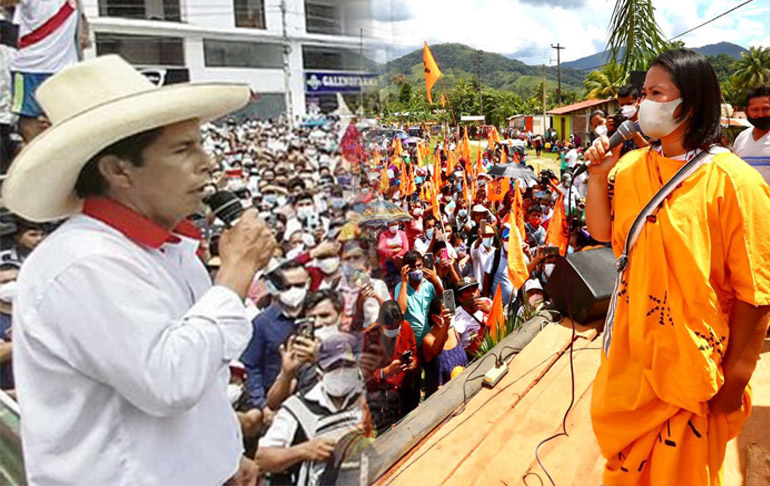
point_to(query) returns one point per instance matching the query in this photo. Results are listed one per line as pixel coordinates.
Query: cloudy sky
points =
(525, 29)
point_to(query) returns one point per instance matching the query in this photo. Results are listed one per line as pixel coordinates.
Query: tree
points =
(753, 69)
(405, 94)
(398, 79)
(605, 83)
(635, 37)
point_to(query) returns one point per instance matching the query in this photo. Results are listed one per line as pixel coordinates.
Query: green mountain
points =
(458, 61)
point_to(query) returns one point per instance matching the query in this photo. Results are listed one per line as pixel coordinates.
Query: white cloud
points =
(527, 28)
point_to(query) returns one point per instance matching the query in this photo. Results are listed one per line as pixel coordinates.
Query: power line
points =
(686, 32)
(715, 18)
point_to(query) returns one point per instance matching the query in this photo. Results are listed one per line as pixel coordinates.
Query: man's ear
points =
(116, 171)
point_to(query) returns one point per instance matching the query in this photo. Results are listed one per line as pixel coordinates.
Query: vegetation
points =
(635, 37)
(605, 83)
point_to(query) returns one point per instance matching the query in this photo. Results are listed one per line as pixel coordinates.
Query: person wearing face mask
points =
(478, 212)
(496, 270)
(628, 99)
(425, 244)
(324, 265)
(678, 372)
(471, 314)
(296, 447)
(418, 286)
(306, 217)
(598, 123)
(481, 250)
(271, 328)
(384, 388)
(392, 245)
(442, 349)
(534, 226)
(362, 295)
(753, 144)
(8, 273)
(299, 354)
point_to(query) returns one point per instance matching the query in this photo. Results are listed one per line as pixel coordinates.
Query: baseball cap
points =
(338, 348)
(465, 283)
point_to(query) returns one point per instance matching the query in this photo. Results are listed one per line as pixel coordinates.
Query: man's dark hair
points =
(628, 90)
(701, 96)
(411, 258)
(535, 208)
(303, 196)
(434, 309)
(390, 313)
(91, 182)
(277, 275)
(315, 298)
(758, 92)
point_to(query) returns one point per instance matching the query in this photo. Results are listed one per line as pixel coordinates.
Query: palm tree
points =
(605, 83)
(753, 69)
(635, 37)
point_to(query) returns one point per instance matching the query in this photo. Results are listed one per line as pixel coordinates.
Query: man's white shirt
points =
(121, 358)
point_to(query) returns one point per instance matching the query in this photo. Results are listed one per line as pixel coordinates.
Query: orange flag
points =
(518, 209)
(432, 72)
(479, 163)
(503, 157)
(517, 263)
(496, 319)
(404, 185)
(412, 185)
(420, 156)
(465, 150)
(558, 229)
(434, 203)
(443, 101)
(384, 182)
(466, 194)
(451, 162)
(376, 156)
(497, 188)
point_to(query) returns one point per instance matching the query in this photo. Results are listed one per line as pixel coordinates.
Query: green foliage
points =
(606, 82)
(405, 94)
(512, 324)
(753, 69)
(635, 37)
(724, 66)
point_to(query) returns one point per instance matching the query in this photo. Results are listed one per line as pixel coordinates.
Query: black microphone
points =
(226, 206)
(626, 130)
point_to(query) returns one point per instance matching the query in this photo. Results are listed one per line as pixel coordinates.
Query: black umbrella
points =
(514, 171)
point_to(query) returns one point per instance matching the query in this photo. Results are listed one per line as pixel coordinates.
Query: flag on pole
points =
(518, 209)
(496, 319)
(497, 189)
(443, 101)
(465, 150)
(384, 182)
(479, 163)
(558, 228)
(517, 263)
(451, 162)
(432, 72)
(434, 203)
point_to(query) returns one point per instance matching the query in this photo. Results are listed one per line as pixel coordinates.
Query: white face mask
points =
(657, 119)
(391, 333)
(293, 297)
(234, 393)
(601, 130)
(329, 265)
(325, 332)
(8, 292)
(393, 229)
(305, 212)
(628, 111)
(342, 382)
(548, 269)
(487, 242)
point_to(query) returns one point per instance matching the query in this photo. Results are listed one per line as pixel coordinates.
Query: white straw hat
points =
(92, 105)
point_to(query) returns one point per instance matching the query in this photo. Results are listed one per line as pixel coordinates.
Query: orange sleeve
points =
(743, 214)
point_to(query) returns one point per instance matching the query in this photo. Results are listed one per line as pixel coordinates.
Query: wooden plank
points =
(757, 465)
(388, 449)
(458, 437)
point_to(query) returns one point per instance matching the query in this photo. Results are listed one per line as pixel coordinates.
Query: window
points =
(322, 18)
(237, 54)
(328, 58)
(167, 10)
(249, 13)
(142, 50)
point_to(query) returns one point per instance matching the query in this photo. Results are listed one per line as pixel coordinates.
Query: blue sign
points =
(336, 82)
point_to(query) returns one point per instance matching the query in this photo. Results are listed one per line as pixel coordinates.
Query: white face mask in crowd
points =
(657, 119)
(487, 242)
(329, 265)
(8, 292)
(628, 111)
(342, 382)
(234, 393)
(391, 333)
(293, 297)
(601, 130)
(325, 332)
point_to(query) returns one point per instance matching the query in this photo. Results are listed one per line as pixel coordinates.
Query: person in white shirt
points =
(571, 156)
(481, 251)
(471, 313)
(753, 144)
(52, 34)
(121, 343)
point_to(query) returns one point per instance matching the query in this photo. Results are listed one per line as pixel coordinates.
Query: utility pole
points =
(478, 80)
(544, 123)
(287, 67)
(558, 48)
(361, 71)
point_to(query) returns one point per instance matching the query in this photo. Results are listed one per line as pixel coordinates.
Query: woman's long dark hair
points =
(701, 96)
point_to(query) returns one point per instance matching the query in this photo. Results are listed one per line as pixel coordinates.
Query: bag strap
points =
(636, 230)
(657, 200)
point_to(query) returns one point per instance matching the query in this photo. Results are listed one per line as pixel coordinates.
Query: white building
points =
(293, 53)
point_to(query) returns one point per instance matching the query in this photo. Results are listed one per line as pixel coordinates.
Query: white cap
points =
(532, 284)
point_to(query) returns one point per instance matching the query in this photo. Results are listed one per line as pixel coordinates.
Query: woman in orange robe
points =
(692, 306)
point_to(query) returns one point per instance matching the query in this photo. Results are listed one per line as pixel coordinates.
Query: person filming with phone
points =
(688, 221)
(442, 350)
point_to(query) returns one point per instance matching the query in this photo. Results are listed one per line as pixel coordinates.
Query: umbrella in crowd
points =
(514, 171)
(379, 212)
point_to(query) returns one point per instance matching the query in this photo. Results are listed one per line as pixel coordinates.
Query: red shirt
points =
(405, 341)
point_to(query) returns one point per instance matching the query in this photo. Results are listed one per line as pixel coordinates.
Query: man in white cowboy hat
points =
(121, 343)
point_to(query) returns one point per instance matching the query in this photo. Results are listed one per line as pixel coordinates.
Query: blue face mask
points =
(462, 213)
(418, 180)
(429, 234)
(415, 275)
